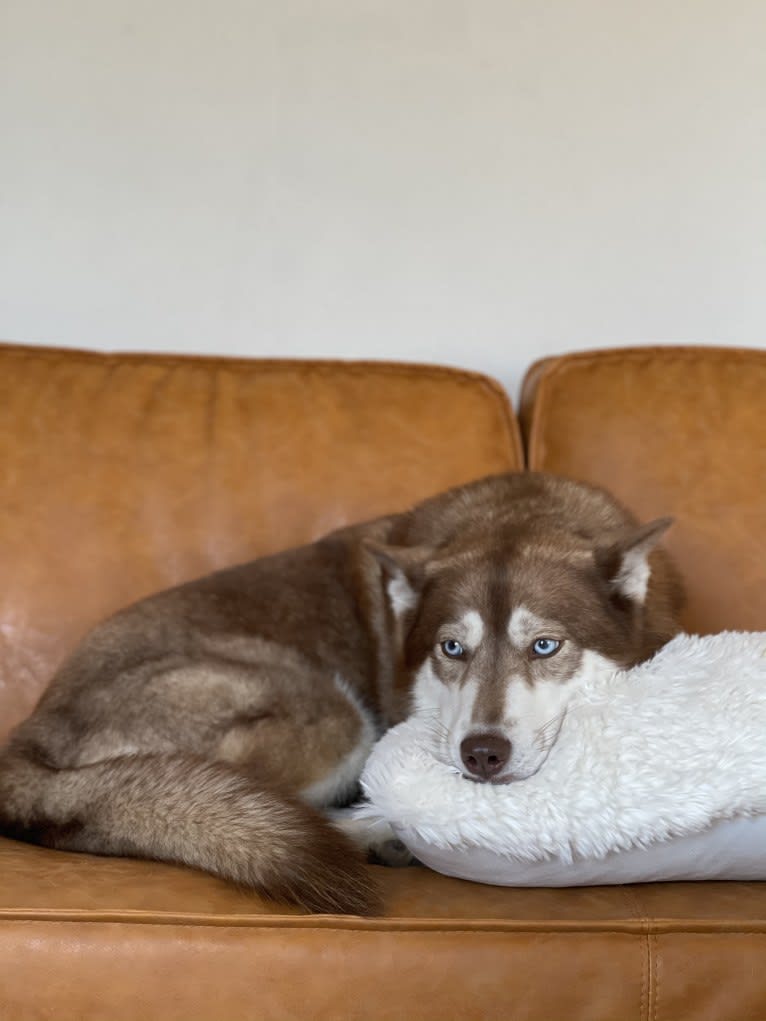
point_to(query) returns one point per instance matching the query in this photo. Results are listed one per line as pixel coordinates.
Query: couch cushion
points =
(94, 938)
(677, 431)
(124, 474)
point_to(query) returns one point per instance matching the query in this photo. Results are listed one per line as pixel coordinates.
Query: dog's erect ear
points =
(404, 572)
(625, 562)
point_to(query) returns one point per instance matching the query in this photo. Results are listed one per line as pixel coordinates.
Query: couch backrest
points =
(677, 431)
(121, 475)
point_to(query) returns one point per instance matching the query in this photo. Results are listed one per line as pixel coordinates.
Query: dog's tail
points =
(176, 808)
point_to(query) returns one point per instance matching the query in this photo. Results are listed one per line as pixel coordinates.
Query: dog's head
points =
(497, 637)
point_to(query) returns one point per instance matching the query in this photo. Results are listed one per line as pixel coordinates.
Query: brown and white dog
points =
(207, 724)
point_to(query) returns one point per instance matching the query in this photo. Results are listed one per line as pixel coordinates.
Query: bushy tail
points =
(179, 809)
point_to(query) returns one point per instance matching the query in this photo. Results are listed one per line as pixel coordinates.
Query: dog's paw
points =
(392, 853)
(374, 837)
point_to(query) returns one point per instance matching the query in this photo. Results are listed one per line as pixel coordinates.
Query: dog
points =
(212, 723)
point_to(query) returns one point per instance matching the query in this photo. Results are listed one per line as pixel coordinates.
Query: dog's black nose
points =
(484, 755)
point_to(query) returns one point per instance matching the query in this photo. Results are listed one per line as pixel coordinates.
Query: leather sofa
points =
(122, 474)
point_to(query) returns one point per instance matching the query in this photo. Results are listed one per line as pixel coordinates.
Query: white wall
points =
(477, 182)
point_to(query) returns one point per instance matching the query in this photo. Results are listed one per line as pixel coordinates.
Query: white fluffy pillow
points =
(658, 773)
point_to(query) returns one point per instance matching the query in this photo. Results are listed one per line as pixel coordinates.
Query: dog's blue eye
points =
(546, 646)
(452, 648)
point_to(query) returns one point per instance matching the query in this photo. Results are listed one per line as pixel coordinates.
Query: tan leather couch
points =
(123, 474)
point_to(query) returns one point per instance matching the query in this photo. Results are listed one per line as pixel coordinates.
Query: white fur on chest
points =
(662, 750)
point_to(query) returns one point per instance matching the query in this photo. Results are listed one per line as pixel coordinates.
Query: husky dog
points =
(208, 724)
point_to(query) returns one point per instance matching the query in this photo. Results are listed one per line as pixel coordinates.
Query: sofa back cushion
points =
(122, 474)
(678, 431)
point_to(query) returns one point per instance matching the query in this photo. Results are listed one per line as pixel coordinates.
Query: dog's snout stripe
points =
(489, 706)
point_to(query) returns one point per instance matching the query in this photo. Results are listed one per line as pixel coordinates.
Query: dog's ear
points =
(625, 561)
(404, 572)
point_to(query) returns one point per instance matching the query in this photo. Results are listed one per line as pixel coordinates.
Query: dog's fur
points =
(202, 724)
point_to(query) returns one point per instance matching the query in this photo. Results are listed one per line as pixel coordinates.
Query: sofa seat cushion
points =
(92, 938)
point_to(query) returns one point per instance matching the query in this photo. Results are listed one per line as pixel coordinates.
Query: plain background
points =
(465, 181)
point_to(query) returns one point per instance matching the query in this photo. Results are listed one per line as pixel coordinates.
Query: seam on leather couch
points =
(636, 909)
(655, 974)
(645, 928)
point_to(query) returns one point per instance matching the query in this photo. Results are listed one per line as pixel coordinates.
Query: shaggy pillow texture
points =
(658, 772)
